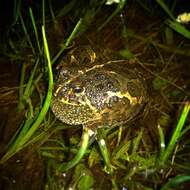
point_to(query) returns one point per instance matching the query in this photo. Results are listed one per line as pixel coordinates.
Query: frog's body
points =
(100, 95)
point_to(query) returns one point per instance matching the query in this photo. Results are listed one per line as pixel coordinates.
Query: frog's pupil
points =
(77, 89)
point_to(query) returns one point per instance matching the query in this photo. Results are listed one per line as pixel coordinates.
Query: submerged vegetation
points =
(151, 152)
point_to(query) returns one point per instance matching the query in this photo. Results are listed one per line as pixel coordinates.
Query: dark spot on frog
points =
(99, 87)
(112, 100)
(96, 99)
(63, 72)
(64, 75)
(126, 101)
(110, 86)
(100, 76)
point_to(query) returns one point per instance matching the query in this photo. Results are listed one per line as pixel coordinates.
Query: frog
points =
(96, 95)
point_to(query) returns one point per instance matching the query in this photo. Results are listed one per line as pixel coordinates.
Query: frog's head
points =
(79, 96)
(83, 96)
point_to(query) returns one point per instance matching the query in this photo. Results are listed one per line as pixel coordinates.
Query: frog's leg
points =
(84, 144)
(104, 151)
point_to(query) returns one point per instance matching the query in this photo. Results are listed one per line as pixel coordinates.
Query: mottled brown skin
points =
(100, 95)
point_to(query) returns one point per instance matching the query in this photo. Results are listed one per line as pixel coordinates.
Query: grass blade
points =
(68, 41)
(80, 153)
(165, 8)
(26, 34)
(35, 29)
(119, 8)
(173, 182)
(179, 28)
(176, 134)
(28, 130)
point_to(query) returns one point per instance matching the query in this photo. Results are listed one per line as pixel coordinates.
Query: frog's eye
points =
(77, 89)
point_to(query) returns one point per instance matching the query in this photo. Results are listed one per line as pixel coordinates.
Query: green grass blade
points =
(32, 125)
(145, 7)
(21, 87)
(16, 11)
(68, 41)
(12, 147)
(35, 29)
(105, 153)
(176, 134)
(43, 13)
(173, 182)
(26, 34)
(47, 102)
(52, 14)
(67, 8)
(119, 8)
(179, 28)
(80, 153)
(185, 130)
(173, 6)
(162, 140)
(136, 142)
(165, 8)
(27, 92)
